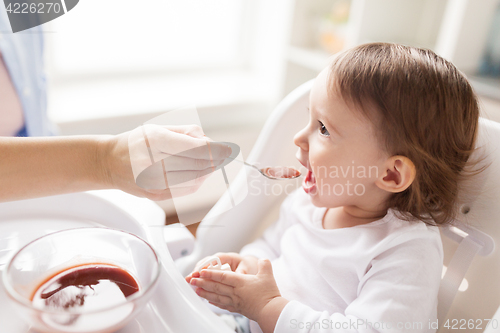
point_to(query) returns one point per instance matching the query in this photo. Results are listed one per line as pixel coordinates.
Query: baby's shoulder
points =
(410, 234)
(409, 229)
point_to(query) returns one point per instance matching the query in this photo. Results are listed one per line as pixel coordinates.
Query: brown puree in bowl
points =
(87, 287)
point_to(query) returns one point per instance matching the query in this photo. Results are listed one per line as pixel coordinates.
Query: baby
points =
(359, 250)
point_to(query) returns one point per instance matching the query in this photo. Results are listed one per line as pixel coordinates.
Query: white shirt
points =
(357, 279)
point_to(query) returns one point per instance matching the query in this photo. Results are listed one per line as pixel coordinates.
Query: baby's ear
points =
(398, 175)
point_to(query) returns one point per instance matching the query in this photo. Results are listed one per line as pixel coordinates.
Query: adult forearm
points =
(33, 167)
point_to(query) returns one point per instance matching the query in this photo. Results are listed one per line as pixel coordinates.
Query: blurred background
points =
(114, 64)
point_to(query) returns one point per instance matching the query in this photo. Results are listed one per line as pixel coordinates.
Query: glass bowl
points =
(83, 280)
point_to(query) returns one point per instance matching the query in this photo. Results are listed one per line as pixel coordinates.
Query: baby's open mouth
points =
(309, 183)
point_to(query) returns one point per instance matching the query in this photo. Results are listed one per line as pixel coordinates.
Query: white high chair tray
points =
(23, 221)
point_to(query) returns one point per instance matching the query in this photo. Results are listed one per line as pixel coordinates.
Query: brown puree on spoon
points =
(281, 172)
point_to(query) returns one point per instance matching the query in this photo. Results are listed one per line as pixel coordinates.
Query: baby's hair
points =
(423, 108)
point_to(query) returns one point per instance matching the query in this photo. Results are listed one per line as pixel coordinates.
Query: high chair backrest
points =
(472, 239)
(471, 246)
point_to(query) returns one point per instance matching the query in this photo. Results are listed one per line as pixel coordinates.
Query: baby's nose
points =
(300, 140)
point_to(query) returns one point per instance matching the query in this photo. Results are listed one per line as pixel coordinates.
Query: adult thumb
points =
(264, 267)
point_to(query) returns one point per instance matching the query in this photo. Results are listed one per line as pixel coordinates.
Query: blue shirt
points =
(23, 56)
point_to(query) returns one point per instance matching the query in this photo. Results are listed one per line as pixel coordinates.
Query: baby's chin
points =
(320, 200)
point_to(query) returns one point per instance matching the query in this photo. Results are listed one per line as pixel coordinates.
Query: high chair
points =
(470, 288)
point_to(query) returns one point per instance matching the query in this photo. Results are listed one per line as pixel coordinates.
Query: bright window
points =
(125, 36)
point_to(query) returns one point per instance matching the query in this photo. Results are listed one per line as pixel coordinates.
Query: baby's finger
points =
(213, 297)
(192, 275)
(212, 286)
(242, 268)
(229, 278)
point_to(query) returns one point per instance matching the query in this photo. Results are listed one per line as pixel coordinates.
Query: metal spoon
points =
(278, 173)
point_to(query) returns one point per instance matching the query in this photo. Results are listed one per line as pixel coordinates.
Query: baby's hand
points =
(248, 265)
(243, 293)
(238, 263)
(231, 258)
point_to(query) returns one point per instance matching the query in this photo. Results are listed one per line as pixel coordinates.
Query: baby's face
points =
(339, 148)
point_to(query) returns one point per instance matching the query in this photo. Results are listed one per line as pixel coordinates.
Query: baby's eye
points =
(322, 129)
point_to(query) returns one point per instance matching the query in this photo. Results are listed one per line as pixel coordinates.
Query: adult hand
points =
(145, 160)
(41, 166)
